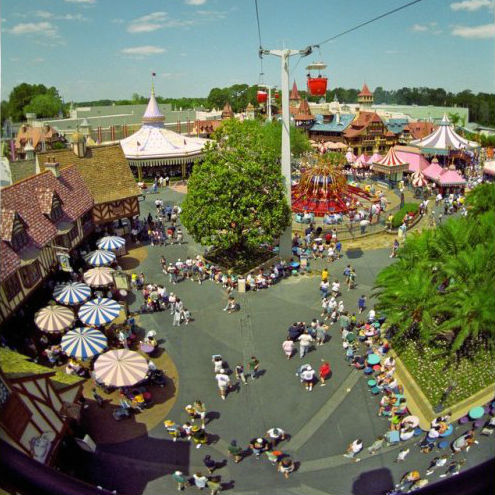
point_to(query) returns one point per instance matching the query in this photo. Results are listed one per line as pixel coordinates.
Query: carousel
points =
(323, 189)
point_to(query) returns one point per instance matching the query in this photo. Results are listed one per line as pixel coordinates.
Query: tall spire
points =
(152, 115)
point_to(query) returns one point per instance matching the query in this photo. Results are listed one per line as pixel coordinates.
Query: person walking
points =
(307, 377)
(305, 341)
(178, 307)
(376, 445)
(209, 463)
(200, 411)
(174, 430)
(253, 367)
(274, 436)
(436, 463)
(199, 436)
(214, 484)
(362, 303)
(223, 382)
(239, 373)
(401, 456)
(235, 451)
(288, 347)
(200, 480)
(324, 372)
(286, 466)
(258, 445)
(181, 480)
(353, 450)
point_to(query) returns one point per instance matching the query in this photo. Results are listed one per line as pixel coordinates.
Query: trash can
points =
(241, 285)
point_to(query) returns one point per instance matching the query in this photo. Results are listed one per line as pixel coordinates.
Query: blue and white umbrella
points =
(111, 242)
(100, 257)
(83, 342)
(99, 311)
(73, 293)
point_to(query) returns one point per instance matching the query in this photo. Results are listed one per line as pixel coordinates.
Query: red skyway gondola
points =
(261, 96)
(317, 86)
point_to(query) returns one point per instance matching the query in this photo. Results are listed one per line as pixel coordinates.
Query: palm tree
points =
(481, 199)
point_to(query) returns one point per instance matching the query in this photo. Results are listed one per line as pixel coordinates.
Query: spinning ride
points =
(323, 189)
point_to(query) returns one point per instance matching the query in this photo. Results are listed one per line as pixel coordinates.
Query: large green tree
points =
(299, 142)
(47, 105)
(235, 200)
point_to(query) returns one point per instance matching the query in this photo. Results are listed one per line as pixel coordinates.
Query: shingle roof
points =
(365, 91)
(34, 134)
(334, 126)
(419, 130)
(304, 112)
(294, 94)
(362, 121)
(21, 199)
(104, 169)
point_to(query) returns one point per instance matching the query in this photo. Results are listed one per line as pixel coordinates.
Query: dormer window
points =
(57, 213)
(20, 237)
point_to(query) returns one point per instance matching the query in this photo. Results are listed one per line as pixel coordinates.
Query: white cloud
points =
(419, 27)
(475, 32)
(195, 2)
(42, 28)
(44, 14)
(145, 50)
(471, 5)
(431, 27)
(154, 21)
(81, 1)
(212, 14)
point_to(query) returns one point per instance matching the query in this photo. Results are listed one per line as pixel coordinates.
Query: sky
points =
(95, 49)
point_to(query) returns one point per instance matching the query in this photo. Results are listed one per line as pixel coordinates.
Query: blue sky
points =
(93, 49)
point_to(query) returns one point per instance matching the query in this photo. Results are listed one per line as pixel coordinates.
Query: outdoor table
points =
(373, 359)
(476, 412)
(147, 348)
(122, 293)
(371, 383)
(294, 264)
(447, 432)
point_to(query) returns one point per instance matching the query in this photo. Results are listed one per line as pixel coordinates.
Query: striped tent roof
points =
(391, 160)
(443, 140)
(418, 179)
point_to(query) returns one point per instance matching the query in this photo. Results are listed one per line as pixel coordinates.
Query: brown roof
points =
(34, 134)
(304, 112)
(365, 91)
(227, 112)
(207, 125)
(104, 169)
(294, 94)
(360, 123)
(419, 130)
(20, 199)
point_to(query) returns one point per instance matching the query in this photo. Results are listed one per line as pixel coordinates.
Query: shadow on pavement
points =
(375, 482)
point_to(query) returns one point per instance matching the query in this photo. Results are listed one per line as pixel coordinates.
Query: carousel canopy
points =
(390, 163)
(444, 140)
(418, 180)
(155, 145)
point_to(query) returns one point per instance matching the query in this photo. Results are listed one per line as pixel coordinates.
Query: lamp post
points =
(285, 246)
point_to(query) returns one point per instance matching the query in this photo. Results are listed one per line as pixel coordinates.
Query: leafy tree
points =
(454, 118)
(46, 105)
(235, 199)
(299, 142)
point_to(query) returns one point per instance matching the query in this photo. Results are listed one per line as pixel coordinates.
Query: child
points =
(362, 303)
(402, 455)
(186, 315)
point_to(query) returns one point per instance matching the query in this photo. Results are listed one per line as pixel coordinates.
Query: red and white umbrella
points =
(418, 180)
(120, 368)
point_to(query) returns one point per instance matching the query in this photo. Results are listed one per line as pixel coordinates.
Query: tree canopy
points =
(441, 290)
(235, 200)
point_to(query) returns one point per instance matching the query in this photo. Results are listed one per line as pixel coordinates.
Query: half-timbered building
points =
(34, 401)
(106, 174)
(39, 215)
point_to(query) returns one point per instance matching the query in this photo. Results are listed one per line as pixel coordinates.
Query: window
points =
(57, 211)
(12, 287)
(30, 274)
(73, 233)
(19, 238)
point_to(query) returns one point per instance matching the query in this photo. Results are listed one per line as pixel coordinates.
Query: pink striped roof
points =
(417, 162)
(433, 171)
(376, 157)
(391, 160)
(451, 178)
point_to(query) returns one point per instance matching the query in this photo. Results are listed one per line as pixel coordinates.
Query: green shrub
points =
(399, 216)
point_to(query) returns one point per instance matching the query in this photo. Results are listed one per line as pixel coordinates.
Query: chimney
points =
(53, 166)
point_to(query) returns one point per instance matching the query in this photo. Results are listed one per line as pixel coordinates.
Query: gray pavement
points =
(321, 423)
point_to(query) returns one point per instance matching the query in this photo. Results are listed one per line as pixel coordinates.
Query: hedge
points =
(399, 216)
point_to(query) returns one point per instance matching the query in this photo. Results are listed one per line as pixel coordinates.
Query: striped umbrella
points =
(418, 180)
(83, 342)
(99, 311)
(54, 318)
(120, 368)
(111, 242)
(73, 293)
(99, 277)
(100, 257)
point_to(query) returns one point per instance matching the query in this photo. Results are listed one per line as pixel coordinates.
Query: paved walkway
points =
(321, 423)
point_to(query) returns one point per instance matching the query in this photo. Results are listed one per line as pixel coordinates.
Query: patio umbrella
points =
(54, 318)
(120, 368)
(83, 342)
(99, 277)
(99, 311)
(73, 293)
(111, 242)
(100, 257)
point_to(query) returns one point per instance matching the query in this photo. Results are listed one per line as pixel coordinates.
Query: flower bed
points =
(399, 216)
(434, 372)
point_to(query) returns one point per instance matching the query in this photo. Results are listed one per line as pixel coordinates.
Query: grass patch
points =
(434, 371)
